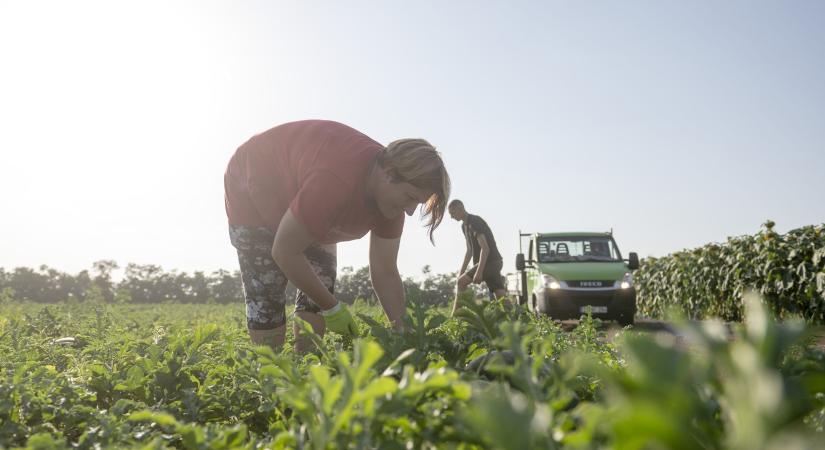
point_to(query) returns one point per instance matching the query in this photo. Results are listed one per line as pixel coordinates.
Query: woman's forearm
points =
(300, 273)
(390, 291)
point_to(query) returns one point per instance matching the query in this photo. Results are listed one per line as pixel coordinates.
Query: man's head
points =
(457, 211)
(410, 172)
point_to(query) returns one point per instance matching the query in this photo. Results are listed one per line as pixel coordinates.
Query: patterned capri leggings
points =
(264, 284)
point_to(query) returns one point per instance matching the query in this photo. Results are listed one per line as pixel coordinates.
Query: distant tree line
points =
(149, 283)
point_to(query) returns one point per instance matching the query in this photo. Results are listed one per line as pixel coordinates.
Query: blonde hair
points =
(417, 162)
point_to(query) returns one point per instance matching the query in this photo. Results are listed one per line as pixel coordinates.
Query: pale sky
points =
(674, 124)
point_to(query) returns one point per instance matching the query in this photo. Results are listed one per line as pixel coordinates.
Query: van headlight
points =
(550, 282)
(627, 281)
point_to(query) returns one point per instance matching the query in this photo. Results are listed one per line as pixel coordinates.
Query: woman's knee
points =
(316, 321)
(273, 337)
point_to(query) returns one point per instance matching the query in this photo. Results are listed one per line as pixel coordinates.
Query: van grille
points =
(591, 283)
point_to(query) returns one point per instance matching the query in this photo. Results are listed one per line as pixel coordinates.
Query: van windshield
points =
(584, 248)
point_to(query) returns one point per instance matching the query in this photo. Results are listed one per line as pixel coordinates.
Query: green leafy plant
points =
(787, 270)
(494, 376)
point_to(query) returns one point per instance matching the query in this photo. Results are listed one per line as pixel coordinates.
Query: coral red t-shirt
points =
(316, 168)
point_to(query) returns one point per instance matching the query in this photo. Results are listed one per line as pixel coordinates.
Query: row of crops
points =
(496, 376)
(787, 269)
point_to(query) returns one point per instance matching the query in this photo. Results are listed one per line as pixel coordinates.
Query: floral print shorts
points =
(264, 284)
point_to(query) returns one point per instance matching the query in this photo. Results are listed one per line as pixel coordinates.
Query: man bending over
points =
(481, 247)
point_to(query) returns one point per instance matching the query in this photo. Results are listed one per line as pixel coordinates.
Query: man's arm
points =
(386, 281)
(482, 258)
(467, 256)
(291, 240)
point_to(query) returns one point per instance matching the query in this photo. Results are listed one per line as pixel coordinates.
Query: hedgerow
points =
(788, 270)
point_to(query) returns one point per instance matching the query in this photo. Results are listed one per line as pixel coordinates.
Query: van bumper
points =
(564, 304)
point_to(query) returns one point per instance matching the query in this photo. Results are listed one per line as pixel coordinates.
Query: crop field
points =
(788, 270)
(172, 375)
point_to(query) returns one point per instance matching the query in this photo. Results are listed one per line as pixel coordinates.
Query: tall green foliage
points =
(788, 270)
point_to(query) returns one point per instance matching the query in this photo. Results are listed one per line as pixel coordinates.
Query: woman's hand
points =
(339, 320)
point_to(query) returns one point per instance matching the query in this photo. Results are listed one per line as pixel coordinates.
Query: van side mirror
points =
(520, 261)
(633, 261)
